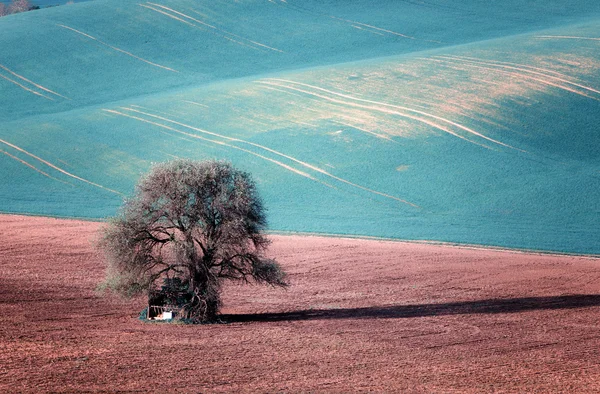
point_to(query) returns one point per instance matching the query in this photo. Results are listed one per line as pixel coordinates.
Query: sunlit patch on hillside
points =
(462, 95)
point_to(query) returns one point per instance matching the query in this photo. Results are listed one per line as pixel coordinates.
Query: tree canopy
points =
(199, 222)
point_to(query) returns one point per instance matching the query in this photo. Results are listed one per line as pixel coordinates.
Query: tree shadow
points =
(491, 306)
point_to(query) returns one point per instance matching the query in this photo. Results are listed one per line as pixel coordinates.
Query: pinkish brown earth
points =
(361, 315)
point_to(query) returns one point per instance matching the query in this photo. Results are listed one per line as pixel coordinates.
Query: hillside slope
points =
(414, 120)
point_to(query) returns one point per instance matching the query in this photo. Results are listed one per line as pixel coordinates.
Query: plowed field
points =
(361, 315)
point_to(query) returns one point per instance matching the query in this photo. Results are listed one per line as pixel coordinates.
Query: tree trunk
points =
(205, 289)
(206, 300)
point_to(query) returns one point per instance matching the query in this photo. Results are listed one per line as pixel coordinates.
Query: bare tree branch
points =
(202, 222)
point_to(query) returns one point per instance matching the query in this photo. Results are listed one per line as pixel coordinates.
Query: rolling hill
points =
(471, 123)
(47, 3)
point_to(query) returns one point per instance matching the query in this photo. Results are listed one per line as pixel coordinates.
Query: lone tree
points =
(194, 222)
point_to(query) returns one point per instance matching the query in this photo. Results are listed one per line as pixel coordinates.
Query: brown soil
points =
(360, 316)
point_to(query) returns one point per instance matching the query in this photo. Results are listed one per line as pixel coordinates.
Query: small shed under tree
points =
(169, 301)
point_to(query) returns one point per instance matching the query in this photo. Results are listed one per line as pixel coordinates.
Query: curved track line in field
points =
(195, 103)
(167, 14)
(172, 113)
(26, 88)
(182, 14)
(219, 32)
(33, 83)
(522, 74)
(350, 22)
(307, 165)
(33, 167)
(546, 70)
(375, 28)
(383, 136)
(367, 30)
(422, 113)
(58, 168)
(515, 74)
(520, 68)
(117, 49)
(291, 158)
(289, 168)
(386, 111)
(426, 114)
(281, 91)
(568, 38)
(191, 24)
(216, 28)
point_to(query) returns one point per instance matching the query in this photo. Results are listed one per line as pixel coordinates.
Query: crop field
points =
(360, 315)
(431, 171)
(473, 123)
(47, 3)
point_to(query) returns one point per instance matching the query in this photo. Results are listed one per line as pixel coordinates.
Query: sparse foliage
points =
(16, 6)
(199, 222)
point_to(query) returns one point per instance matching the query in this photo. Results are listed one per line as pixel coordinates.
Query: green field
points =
(470, 123)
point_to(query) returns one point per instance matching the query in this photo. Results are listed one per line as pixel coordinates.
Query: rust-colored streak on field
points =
(360, 315)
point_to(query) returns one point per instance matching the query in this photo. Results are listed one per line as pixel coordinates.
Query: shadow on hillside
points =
(510, 305)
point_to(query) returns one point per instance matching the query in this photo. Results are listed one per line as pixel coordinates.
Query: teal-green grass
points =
(473, 123)
(47, 3)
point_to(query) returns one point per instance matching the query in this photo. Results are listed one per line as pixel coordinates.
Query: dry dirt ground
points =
(360, 316)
